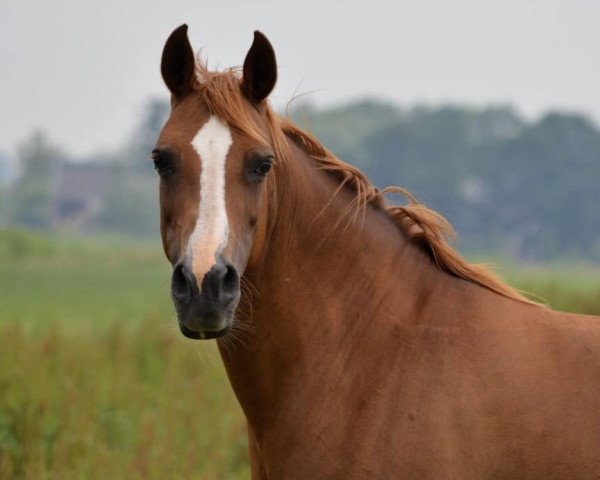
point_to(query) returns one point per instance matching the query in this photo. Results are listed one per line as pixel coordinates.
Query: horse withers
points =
(358, 342)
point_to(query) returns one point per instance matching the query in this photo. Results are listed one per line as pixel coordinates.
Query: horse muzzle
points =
(206, 312)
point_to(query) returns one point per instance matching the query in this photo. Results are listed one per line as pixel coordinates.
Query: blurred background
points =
(487, 112)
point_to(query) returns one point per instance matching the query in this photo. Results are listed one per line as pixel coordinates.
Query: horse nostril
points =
(182, 282)
(230, 279)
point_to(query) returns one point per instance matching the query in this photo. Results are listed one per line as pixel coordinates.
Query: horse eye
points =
(164, 166)
(264, 167)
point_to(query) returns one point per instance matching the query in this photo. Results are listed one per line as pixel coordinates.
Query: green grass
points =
(80, 282)
(97, 382)
(564, 287)
(128, 403)
(95, 379)
(37, 293)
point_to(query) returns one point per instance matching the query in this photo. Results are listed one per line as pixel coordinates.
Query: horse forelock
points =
(221, 91)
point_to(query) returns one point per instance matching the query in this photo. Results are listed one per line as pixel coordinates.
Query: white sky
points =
(82, 70)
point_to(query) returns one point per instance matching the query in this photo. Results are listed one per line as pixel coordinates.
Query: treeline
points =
(527, 189)
(114, 192)
(530, 190)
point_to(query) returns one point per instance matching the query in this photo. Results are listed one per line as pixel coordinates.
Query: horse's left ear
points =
(260, 69)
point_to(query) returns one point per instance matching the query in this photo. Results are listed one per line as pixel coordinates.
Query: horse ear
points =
(177, 63)
(260, 69)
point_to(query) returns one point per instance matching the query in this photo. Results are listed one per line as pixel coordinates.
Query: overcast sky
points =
(82, 70)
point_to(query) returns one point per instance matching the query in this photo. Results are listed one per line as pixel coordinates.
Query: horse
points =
(358, 342)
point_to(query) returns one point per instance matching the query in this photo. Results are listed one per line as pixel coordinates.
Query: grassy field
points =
(97, 382)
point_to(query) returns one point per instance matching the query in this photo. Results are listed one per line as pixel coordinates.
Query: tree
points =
(131, 205)
(142, 141)
(31, 196)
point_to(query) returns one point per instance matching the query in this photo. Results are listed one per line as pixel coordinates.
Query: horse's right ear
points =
(177, 64)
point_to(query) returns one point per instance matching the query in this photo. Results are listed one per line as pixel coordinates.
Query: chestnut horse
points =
(358, 342)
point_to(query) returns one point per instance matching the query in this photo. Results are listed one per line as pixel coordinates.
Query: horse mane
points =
(424, 227)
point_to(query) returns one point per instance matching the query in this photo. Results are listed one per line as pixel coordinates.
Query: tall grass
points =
(126, 403)
(95, 379)
(97, 382)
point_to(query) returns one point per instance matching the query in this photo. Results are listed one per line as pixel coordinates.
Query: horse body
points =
(359, 344)
(434, 377)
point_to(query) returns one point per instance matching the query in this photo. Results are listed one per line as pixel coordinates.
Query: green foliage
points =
(123, 403)
(131, 205)
(4, 170)
(95, 379)
(32, 195)
(128, 204)
(156, 111)
(527, 190)
(344, 130)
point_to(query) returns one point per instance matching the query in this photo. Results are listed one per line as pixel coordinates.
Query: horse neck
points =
(322, 286)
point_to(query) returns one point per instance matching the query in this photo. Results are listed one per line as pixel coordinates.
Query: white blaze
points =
(209, 238)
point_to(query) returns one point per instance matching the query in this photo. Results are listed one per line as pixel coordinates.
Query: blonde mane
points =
(222, 94)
